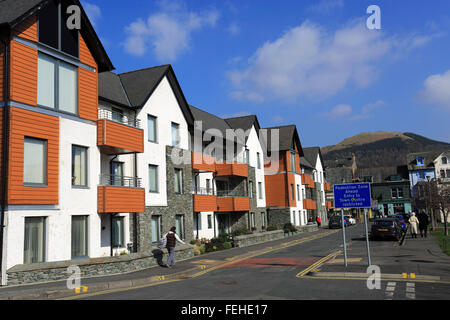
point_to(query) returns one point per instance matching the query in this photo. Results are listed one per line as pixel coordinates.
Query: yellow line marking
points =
(317, 263)
(413, 275)
(404, 275)
(342, 260)
(77, 290)
(198, 273)
(383, 279)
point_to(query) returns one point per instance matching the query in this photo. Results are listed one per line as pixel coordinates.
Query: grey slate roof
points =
(305, 163)
(110, 88)
(382, 174)
(311, 155)
(245, 123)
(140, 84)
(287, 134)
(428, 160)
(11, 10)
(210, 121)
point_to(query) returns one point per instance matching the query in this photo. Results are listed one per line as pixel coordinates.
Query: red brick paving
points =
(273, 263)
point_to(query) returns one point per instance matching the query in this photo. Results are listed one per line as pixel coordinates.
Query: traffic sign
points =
(352, 195)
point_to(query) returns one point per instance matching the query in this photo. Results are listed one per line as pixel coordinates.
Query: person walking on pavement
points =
(318, 220)
(423, 223)
(172, 239)
(414, 222)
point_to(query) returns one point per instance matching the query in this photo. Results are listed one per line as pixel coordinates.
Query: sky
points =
(314, 64)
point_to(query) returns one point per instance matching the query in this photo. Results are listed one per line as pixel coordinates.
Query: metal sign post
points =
(353, 195)
(343, 237)
(367, 237)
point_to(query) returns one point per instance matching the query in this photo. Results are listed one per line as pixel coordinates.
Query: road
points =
(277, 275)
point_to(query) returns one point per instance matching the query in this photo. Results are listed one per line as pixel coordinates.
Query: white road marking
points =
(410, 290)
(390, 288)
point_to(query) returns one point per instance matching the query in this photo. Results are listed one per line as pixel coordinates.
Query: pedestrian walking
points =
(172, 239)
(423, 223)
(414, 222)
(318, 220)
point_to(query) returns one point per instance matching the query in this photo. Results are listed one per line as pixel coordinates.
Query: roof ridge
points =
(249, 115)
(144, 69)
(211, 114)
(285, 126)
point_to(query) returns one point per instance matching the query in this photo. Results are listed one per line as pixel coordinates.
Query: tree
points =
(440, 199)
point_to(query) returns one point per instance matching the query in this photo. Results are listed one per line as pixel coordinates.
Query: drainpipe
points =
(135, 213)
(5, 158)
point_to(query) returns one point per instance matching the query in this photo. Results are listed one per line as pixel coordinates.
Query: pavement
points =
(156, 275)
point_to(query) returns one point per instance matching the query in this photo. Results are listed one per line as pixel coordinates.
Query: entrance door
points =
(222, 220)
(117, 173)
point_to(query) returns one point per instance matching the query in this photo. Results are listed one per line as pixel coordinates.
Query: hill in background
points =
(381, 148)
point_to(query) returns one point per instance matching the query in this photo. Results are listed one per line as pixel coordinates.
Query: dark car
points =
(400, 219)
(386, 228)
(336, 222)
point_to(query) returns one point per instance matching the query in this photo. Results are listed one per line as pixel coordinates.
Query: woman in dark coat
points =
(423, 223)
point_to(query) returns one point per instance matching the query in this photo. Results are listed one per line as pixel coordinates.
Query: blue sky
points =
(310, 63)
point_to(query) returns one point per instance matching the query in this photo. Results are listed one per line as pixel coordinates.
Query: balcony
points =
(228, 204)
(117, 134)
(309, 204)
(203, 163)
(232, 169)
(119, 194)
(326, 186)
(204, 200)
(307, 180)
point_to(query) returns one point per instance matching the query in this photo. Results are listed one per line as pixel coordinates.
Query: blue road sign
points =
(352, 195)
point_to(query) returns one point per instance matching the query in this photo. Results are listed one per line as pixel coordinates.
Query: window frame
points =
(178, 172)
(180, 231)
(158, 227)
(258, 160)
(177, 126)
(44, 239)
(260, 191)
(122, 231)
(86, 186)
(155, 128)
(57, 62)
(45, 164)
(156, 178)
(86, 237)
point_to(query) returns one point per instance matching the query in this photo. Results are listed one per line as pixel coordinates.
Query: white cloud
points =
(277, 120)
(437, 89)
(93, 11)
(368, 109)
(167, 32)
(234, 29)
(338, 111)
(309, 61)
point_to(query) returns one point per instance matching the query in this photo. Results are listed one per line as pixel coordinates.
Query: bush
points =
(193, 242)
(227, 245)
(202, 250)
(289, 227)
(273, 226)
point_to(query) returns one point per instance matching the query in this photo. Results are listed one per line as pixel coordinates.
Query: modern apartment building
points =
(286, 186)
(51, 157)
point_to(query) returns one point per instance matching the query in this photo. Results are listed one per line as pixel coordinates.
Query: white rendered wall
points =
(255, 147)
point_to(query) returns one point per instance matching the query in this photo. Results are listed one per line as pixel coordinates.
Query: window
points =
(422, 174)
(178, 181)
(156, 228)
(117, 173)
(444, 160)
(260, 191)
(292, 192)
(258, 159)
(175, 134)
(419, 161)
(252, 219)
(179, 224)
(303, 194)
(293, 168)
(117, 115)
(79, 236)
(118, 232)
(153, 178)
(209, 221)
(54, 32)
(442, 173)
(79, 166)
(396, 193)
(247, 156)
(57, 84)
(34, 240)
(151, 120)
(393, 193)
(263, 219)
(448, 173)
(250, 187)
(298, 192)
(208, 186)
(35, 161)
(399, 192)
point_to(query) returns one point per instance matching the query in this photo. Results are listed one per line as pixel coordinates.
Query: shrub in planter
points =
(289, 227)
(227, 245)
(273, 226)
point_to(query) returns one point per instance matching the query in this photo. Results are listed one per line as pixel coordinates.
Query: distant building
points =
(420, 166)
(442, 166)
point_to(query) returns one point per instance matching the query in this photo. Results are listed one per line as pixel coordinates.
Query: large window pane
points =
(153, 178)
(79, 166)
(69, 38)
(179, 224)
(175, 134)
(67, 88)
(178, 188)
(34, 242)
(46, 81)
(118, 232)
(48, 25)
(79, 236)
(260, 191)
(151, 128)
(35, 160)
(156, 235)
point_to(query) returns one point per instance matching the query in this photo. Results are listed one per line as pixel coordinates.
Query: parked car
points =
(336, 222)
(351, 220)
(400, 219)
(386, 228)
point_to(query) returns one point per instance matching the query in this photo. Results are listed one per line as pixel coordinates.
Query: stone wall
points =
(177, 204)
(50, 271)
(278, 215)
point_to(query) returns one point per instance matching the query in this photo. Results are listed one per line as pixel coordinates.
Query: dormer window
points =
(419, 161)
(53, 29)
(444, 160)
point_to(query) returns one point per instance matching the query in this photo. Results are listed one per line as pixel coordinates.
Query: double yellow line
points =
(317, 264)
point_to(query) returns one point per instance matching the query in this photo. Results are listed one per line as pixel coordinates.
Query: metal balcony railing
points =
(204, 192)
(119, 117)
(120, 181)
